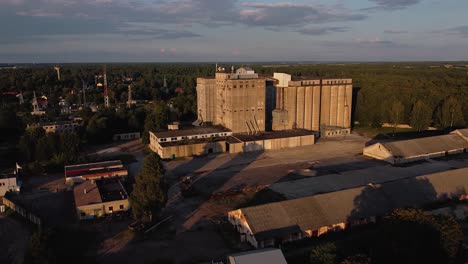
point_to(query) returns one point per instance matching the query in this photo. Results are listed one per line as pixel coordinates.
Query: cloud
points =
(315, 31)
(290, 14)
(390, 5)
(461, 31)
(393, 31)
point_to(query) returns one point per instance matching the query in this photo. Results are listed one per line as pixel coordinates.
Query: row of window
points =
(230, 110)
(191, 137)
(242, 86)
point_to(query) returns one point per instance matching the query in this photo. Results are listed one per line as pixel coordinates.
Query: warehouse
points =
(81, 172)
(276, 223)
(187, 142)
(405, 151)
(96, 198)
(196, 141)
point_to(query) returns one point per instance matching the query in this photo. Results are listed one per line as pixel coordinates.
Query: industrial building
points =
(266, 255)
(313, 104)
(404, 151)
(195, 141)
(275, 223)
(59, 126)
(235, 100)
(82, 172)
(239, 111)
(241, 101)
(96, 198)
(189, 142)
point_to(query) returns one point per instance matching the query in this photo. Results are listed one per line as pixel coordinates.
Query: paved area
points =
(14, 240)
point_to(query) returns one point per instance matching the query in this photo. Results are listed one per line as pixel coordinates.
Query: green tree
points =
(449, 113)
(40, 249)
(395, 114)
(324, 254)
(156, 118)
(421, 116)
(149, 190)
(413, 236)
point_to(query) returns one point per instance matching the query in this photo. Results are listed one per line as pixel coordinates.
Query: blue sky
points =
(232, 30)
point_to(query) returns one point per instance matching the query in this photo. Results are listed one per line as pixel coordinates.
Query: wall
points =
(378, 151)
(336, 103)
(191, 149)
(101, 209)
(78, 179)
(206, 99)
(8, 184)
(237, 219)
(126, 136)
(22, 211)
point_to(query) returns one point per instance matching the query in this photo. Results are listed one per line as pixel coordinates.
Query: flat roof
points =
(190, 131)
(87, 166)
(274, 135)
(93, 173)
(266, 255)
(99, 191)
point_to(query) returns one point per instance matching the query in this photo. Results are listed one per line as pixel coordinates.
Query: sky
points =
(57, 31)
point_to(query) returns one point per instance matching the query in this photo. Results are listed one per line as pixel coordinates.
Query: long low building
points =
(106, 169)
(58, 126)
(216, 139)
(276, 223)
(96, 198)
(404, 151)
(189, 142)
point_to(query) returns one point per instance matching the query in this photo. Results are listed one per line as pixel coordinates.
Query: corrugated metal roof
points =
(314, 212)
(421, 146)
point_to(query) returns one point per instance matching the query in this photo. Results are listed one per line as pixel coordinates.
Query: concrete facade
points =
(235, 100)
(271, 144)
(312, 104)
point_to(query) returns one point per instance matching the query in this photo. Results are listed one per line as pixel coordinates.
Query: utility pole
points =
(129, 102)
(106, 92)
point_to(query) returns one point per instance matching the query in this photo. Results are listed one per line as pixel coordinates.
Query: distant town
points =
(245, 163)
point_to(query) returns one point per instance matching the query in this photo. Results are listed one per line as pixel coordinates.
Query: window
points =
(241, 86)
(121, 207)
(111, 209)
